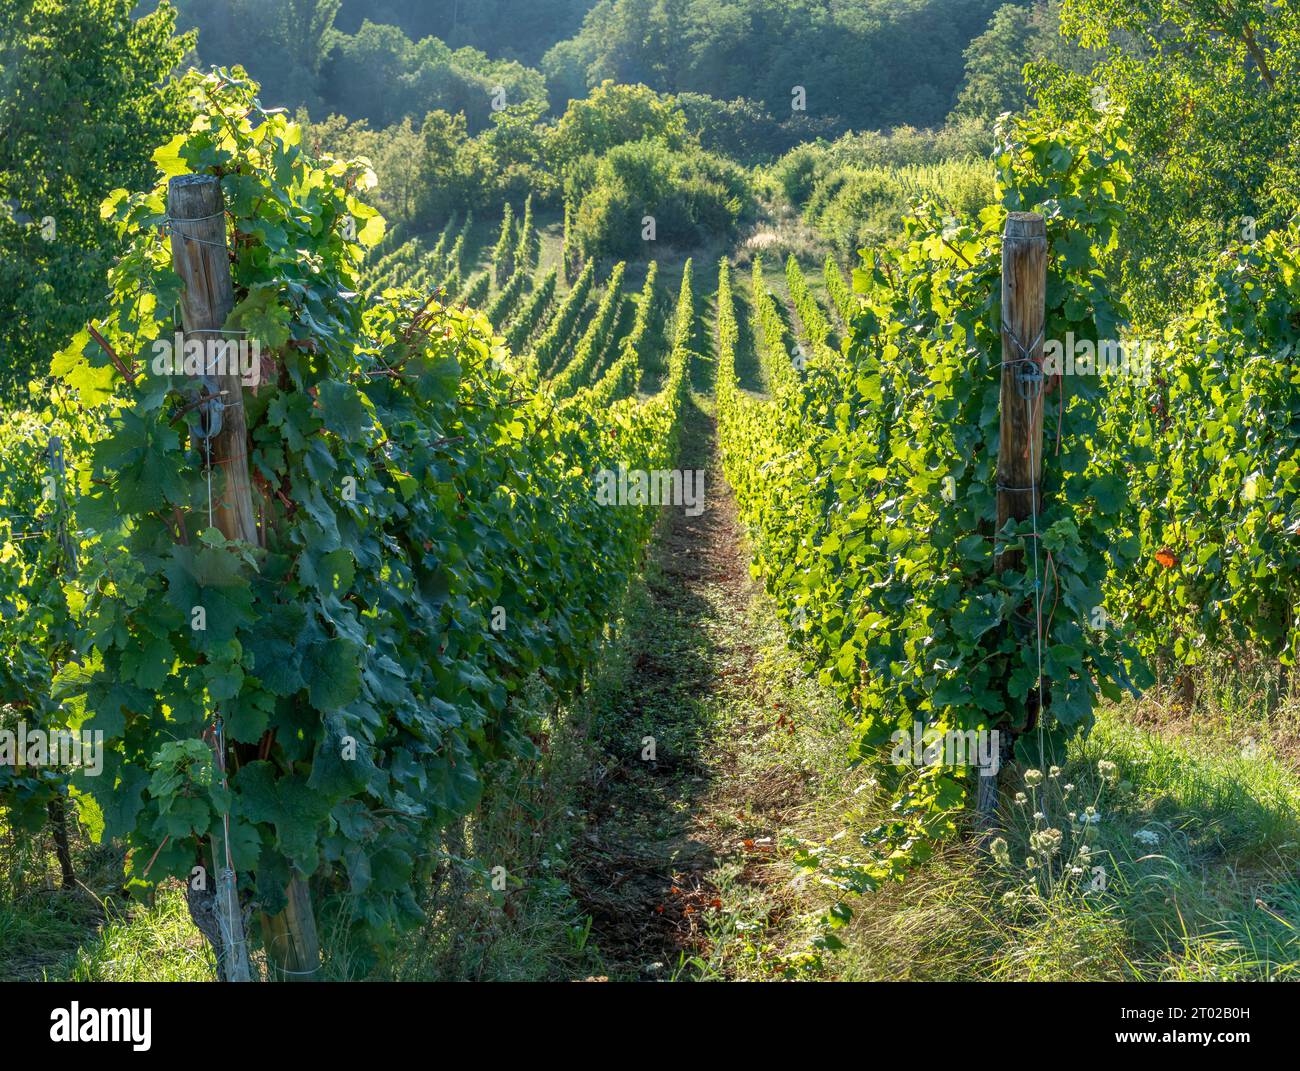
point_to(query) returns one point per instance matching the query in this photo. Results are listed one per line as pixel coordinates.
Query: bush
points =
(615, 115)
(381, 75)
(689, 194)
(745, 130)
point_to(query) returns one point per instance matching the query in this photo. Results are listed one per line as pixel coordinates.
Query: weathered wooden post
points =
(1020, 440)
(196, 211)
(1020, 443)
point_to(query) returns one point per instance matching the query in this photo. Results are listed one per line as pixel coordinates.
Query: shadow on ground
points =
(641, 868)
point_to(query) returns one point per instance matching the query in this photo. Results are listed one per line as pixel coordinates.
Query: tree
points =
(861, 63)
(368, 74)
(1258, 34)
(741, 129)
(516, 150)
(282, 42)
(995, 60)
(1211, 100)
(85, 95)
(512, 29)
(615, 115)
(381, 75)
(448, 175)
(306, 26)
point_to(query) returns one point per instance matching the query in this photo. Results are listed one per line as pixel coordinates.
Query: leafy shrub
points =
(613, 115)
(690, 194)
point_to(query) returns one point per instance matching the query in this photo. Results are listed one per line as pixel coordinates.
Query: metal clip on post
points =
(210, 407)
(1029, 379)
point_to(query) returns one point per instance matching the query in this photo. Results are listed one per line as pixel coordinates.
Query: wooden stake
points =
(58, 477)
(196, 208)
(292, 949)
(1020, 439)
(59, 827)
(1020, 442)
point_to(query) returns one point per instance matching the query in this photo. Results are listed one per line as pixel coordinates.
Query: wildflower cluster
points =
(1054, 830)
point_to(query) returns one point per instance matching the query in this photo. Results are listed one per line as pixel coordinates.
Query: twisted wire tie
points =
(169, 227)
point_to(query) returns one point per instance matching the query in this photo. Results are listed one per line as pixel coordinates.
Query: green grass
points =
(1215, 893)
(92, 933)
(156, 944)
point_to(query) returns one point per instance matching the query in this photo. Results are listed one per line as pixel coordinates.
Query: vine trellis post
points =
(196, 214)
(1020, 439)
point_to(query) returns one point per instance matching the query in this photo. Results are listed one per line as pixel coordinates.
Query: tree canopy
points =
(85, 95)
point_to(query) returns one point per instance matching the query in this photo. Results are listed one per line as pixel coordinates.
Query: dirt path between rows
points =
(659, 830)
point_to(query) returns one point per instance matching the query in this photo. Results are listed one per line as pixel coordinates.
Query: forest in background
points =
(327, 54)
